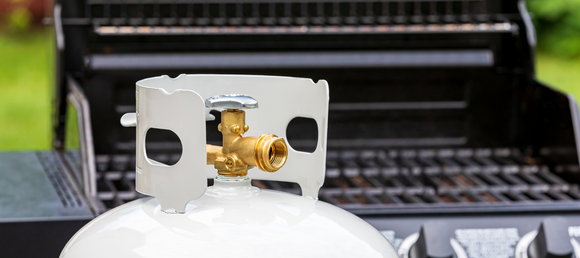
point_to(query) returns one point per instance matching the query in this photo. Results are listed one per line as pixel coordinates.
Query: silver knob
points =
(231, 101)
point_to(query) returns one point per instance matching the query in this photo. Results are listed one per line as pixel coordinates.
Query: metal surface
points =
(273, 60)
(88, 177)
(38, 238)
(575, 117)
(40, 204)
(231, 101)
(307, 30)
(301, 98)
(479, 236)
(182, 112)
(442, 181)
(435, 239)
(232, 213)
(239, 153)
(35, 186)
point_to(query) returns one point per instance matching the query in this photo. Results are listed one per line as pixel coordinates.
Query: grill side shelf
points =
(54, 170)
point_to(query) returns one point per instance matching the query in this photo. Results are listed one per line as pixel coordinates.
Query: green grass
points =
(26, 81)
(562, 74)
(25, 90)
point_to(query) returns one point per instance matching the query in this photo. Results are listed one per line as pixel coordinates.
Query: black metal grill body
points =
(435, 110)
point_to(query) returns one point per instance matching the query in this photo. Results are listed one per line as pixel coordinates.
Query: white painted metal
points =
(458, 249)
(576, 247)
(406, 245)
(281, 99)
(181, 111)
(522, 246)
(232, 219)
(129, 120)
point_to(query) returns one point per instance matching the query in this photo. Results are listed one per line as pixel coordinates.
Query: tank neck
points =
(232, 188)
(229, 182)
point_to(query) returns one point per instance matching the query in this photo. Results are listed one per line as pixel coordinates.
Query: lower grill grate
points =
(404, 181)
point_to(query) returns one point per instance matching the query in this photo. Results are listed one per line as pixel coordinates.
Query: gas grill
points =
(434, 109)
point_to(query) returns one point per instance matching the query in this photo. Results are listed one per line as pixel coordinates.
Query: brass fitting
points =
(268, 152)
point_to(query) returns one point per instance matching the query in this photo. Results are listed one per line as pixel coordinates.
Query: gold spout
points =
(268, 152)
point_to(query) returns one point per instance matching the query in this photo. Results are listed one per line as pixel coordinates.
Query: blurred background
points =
(27, 57)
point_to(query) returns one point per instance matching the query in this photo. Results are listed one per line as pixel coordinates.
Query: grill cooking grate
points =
(393, 181)
(283, 13)
(440, 178)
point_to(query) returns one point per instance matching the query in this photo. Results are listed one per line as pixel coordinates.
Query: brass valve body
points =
(268, 152)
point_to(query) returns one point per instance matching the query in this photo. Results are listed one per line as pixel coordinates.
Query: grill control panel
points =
(528, 236)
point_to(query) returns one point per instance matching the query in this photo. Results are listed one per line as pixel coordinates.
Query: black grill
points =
(433, 103)
(435, 112)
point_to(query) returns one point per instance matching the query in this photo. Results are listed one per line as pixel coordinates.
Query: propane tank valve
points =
(268, 152)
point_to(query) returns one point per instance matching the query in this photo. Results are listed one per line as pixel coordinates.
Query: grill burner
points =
(394, 181)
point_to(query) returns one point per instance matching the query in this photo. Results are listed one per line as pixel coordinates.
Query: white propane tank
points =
(185, 218)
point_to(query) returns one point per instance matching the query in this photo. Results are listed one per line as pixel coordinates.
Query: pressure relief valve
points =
(238, 153)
